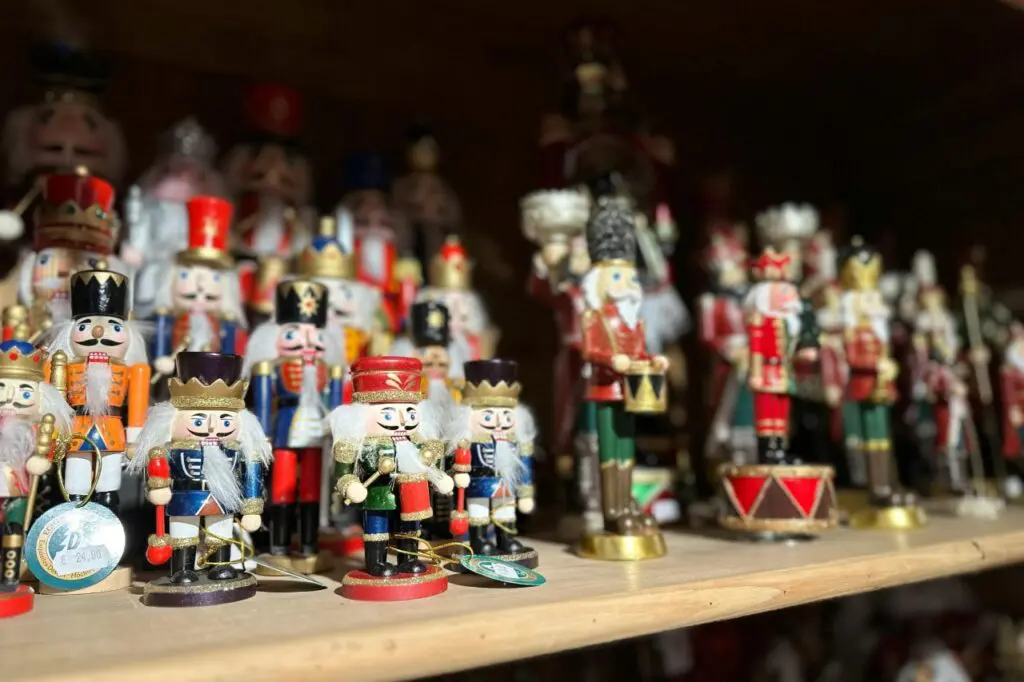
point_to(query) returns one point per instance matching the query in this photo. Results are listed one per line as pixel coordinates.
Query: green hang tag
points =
(502, 571)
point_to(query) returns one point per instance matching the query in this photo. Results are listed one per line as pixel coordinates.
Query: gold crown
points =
(486, 394)
(861, 270)
(100, 274)
(195, 395)
(14, 364)
(451, 268)
(324, 257)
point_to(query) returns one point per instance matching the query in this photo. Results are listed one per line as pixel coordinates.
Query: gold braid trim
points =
(479, 522)
(213, 544)
(462, 468)
(410, 478)
(431, 451)
(345, 451)
(252, 505)
(155, 482)
(392, 396)
(158, 540)
(157, 453)
(198, 402)
(525, 491)
(416, 516)
(182, 543)
(376, 537)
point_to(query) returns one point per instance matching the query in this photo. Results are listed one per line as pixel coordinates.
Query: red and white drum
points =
(789, 499)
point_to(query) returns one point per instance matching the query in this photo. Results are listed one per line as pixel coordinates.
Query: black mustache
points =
(105, 342)
(217, 434)
(196, 296)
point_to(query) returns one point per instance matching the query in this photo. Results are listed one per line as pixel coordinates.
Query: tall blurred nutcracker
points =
(204, 456)
(155, 210)
(427, 201)
(351, 303)
(33, 417)
(108, 384)
(871, 390)
(492, 459)
(783, 493)
(75, 227)
(199, 302)
(625, 380)
(450, 282)
(1012, 395)
(296, 373)
(269, 178)
(388, 446)
(723, 332)
(787, 229)
(66, 130)
(380, 236)
(556, 220)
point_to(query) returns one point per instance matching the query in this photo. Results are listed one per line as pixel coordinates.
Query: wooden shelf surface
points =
(286, 634)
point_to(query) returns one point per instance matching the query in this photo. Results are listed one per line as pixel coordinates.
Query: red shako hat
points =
(387, 379)
(209, 221)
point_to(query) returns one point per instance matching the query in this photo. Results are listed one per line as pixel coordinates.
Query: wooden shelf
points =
(287, 634)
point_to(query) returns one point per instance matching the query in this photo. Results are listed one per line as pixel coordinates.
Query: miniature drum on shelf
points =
(645, 390)
(788, 499)
(16, 602)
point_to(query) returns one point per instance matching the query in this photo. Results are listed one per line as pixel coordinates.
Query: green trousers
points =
(616, 434)
(867, 424)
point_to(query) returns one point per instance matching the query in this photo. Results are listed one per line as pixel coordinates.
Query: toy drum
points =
(644, 389)
(785, 499)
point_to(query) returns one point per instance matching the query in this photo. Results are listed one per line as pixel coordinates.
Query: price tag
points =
(72, 547)
(502, 571)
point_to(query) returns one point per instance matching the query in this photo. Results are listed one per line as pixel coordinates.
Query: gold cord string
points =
(431, 551)
(499, 524)
(245, 548)
(60, 452)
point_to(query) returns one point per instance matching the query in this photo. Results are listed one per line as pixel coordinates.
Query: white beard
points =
(407, 457)
(267, 233)
(665, 318)
(507, 464)
(200, 332)
(629, 310)
(309, 396)
(220, 477)
(99, 381)
(17, 443)
(373, 255)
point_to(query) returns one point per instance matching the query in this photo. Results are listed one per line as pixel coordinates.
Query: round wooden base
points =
(119, 579)
(17, 602)
(362, 586)
(622, 547)
(204, 592)
(341, 544)
(318, 563)
(889, 518)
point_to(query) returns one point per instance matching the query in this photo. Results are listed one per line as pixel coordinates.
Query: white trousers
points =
(78, 472)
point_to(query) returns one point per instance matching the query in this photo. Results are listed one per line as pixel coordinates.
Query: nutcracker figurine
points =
(781, 495)
(388, 449)
(33, 417)
(625, 380)
(379, 235)
(723, 332)
(870, 389)
(203, 455)
(427, 201)
(450, 282)
(787, 229)
(156, 213)
(351, 303)
(269, 177)
(556, 221)
(296, 369)
(64, 131)
(430, 342)
(491, 466)
(75, 227)
(1012, 385)
(198, 301)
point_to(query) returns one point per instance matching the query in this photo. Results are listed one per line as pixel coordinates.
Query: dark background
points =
(908, 114)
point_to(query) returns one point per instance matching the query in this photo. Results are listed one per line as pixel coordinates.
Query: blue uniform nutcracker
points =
(205, 456)
(492, 460)
(297, 374)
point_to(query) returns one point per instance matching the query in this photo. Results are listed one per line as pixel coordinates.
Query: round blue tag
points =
(71, 547)
(502, 571)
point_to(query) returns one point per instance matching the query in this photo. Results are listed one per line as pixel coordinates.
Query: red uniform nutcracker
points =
(269, 176)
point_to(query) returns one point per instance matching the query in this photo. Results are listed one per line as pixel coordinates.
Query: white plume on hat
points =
(780, 224)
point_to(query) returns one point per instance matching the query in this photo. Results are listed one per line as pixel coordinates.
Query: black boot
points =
(408, 561)
(76, 498)
(222, 570)
(183, 562)
(277, 524)
(479, 542)
(376, 553)
(309, 528)
(765, 453)
(507, 543)
(10, 556)
(111, 500)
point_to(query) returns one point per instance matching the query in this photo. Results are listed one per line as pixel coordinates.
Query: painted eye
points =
(412, 415)
(44, 259)
(289, 335)
(183, 275)
(226, 423)
(387, 417)
(216, 277)
(616, 276)
(82, 327)
(117, 329)
(26, 395)
(197, 422)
